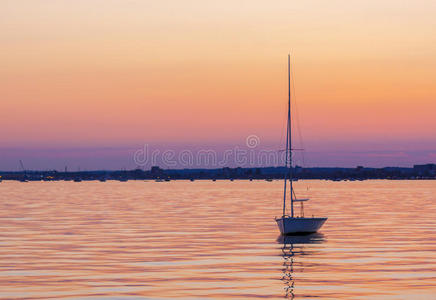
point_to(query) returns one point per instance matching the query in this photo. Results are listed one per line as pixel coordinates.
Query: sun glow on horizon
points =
(98, 73)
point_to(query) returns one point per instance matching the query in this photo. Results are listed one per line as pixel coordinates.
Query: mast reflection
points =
(292, 248)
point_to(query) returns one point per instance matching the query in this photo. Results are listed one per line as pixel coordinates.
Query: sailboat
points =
(293, 223)
(24, 178)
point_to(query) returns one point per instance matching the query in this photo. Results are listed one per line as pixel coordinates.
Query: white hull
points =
(290, 225)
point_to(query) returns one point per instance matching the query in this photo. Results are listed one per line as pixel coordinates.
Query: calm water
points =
(204, 239)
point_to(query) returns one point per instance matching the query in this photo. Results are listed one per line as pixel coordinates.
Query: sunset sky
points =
(85, 83)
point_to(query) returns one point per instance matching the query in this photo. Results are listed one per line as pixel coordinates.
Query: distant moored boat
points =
(293, 224)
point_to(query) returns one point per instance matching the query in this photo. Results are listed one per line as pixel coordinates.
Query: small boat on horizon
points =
(24, 178)
(293, 224)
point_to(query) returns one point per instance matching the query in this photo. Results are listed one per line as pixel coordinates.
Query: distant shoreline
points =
(417, 172)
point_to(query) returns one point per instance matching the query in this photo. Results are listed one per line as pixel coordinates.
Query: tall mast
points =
(286, 158)
(290, 135)
(288, 146)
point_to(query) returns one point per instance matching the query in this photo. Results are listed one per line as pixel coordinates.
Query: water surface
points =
(204, 239)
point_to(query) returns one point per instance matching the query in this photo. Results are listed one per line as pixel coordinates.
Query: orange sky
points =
(112, 73)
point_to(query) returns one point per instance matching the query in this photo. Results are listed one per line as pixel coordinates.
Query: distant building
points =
(155, 170)
(425, 170)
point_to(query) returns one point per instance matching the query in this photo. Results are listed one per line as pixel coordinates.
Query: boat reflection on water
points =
(293, 246)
